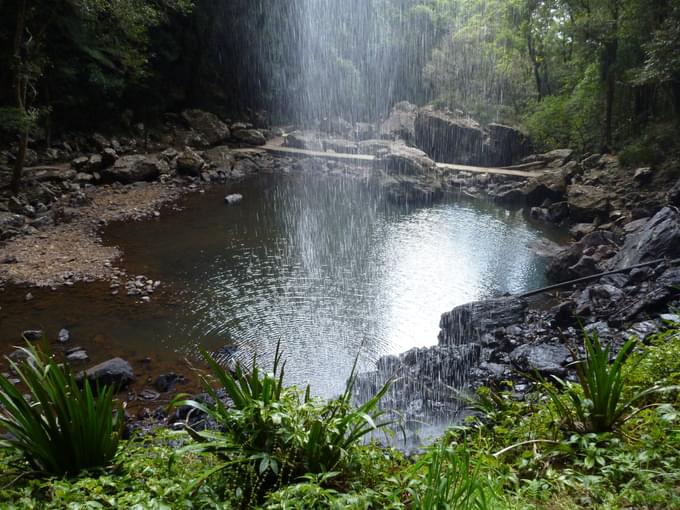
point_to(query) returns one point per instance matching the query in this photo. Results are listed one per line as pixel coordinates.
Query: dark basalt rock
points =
(658, 238)
(33, 335)
(466, 323)
(546, 359)
(114, 372)
(167, 382)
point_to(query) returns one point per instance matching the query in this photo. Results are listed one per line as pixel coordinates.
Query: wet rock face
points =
(400, 125)
(468, 322)
(659, 237)
(545, 358)
(208, 125)
(452, 138)
(507, 145)
(449, 139)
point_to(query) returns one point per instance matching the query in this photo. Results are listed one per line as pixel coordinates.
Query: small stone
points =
(33, 335)
(670, 317)
(29, 296)
(145, 299)
(63, 335)
(79, 355)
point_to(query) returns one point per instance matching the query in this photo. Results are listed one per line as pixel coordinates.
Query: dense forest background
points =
(590, 74)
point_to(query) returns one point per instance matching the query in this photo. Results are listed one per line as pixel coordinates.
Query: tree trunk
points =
(20, 95)
(609, 75)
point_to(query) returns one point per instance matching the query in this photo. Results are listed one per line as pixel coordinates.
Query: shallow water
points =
(323, 264)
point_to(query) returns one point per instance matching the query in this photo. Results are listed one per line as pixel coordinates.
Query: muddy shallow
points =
(323, 264)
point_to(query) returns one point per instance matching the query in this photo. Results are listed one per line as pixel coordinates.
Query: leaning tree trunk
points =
(20, 87)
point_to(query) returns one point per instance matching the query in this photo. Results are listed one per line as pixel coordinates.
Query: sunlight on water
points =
(326, 265)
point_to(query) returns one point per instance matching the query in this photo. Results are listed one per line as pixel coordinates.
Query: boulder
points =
(249, 136)
(468, 322)
(134, 168)
(10, 224)
(507, 144)
(450, 139)
(166, 382)
(340, 146)
(546, 359)
(403, 160)
(400, 125)
(572, 262)
(207, 124)
(114, 372)
(109, 157)
(189, 163)
(363, 131)
(51, 174)
(302, 140)
(587, 203)
(658, 238)
(558, 157)
(643, 175)
(373, 146)
(221, 157)
(549, 186)
(674, 195)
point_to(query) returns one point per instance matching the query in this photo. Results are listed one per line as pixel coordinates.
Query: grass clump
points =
(58, 428)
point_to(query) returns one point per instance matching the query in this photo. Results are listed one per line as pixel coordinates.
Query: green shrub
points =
(598, 402)
(657, 363)
(275, 434)
(570, 119)
(58, 428)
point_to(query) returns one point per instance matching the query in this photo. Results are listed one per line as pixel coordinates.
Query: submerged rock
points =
(233, 199)
(63, 335)
(33, 335)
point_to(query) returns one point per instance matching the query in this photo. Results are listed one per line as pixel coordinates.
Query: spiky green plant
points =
(280, 432)
(446, 479)
(597, 403)
(58, 428)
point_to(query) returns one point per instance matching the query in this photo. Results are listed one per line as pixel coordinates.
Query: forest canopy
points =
(589, 74)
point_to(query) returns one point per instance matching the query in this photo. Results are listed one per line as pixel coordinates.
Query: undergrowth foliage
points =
(58, 428)
(277, 448)
(275, 434)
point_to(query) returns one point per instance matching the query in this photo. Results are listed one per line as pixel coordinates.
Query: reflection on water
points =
(322, 264)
